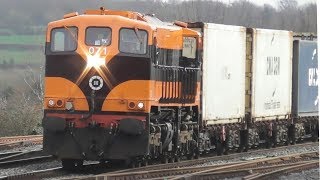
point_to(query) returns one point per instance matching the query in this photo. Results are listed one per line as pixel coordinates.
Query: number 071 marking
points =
(94, 50)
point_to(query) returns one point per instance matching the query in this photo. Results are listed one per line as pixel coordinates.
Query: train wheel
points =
(226, 148)
(196, 156)
(118, 163)
(164, 160)
(132, 165)
(274, 138)
(315, 133)
(268, 142)
(191, 156)
(145, 162)
(71, 164)
(102, 162)
(314, 136)
(291, 134)
(219, 148)
(177, 159)
(138, 164)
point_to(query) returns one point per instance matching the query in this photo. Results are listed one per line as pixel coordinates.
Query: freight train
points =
(125, 86)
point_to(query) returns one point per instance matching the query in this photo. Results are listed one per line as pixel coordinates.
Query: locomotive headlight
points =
(51, 103)
(140, 105)
(69, 105)
(95, 61)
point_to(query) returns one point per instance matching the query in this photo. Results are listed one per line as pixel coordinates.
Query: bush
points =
(19, 115)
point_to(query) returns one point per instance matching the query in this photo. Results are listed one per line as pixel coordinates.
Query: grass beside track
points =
(22, 57)
(23, 39)
(22, 49)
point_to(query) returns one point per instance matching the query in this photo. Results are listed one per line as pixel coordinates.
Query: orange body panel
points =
(130, 91)
(65, 90)
(169, 39)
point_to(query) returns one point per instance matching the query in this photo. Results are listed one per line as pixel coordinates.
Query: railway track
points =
(17, 158)
(245, 173)
(16, 141)
(203, 172)
(47, 173)
(209, 159)
(250, 170)
(59, 172)
(283, 171)
(178, 170)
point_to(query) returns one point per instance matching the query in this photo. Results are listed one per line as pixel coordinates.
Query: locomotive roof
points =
(129, 16)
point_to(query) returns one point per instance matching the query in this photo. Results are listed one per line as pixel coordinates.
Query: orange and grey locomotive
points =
(115, 83)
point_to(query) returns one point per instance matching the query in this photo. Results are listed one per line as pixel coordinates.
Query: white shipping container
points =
(272, 72)
(224, 57)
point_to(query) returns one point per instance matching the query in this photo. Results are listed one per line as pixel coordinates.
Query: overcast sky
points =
(271, 2)
(275, 2)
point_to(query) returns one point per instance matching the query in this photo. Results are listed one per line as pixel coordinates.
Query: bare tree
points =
(35, 82)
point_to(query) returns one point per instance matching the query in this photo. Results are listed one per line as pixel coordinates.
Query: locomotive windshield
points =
(64, 39)
(98, 36)
(133, 41)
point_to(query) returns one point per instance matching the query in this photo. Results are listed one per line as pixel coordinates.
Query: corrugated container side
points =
(305, 99)
(223, 73)
(272, 74)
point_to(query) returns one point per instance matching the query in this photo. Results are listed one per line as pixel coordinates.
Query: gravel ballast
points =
(253, 155)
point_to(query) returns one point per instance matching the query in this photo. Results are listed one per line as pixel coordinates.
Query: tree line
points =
(27, 17)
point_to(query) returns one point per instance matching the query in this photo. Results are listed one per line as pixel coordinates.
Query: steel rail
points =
(242, 172)
(13, 144)
(19, 154)
(19, 138)
(46, 173)
(282, 171)
(188, 172)
(25, 161)
(258, 163)
(6, 154)
(56, 173)
(194, 162)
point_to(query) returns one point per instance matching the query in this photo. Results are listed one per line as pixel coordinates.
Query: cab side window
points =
(133, 41)
(189, 47)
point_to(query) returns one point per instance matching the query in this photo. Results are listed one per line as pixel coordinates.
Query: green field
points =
(27, 53)
(22, 57)
(23, 39)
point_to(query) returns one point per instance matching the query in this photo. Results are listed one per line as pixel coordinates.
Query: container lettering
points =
(313, 77)
(273, 66)
(271, 105)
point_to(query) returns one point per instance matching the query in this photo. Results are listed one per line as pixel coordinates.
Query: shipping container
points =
(224, 56)
(305, 99)
(271, 83)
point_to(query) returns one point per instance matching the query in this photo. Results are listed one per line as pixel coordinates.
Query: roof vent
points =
(70, 15)
(181, 24)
